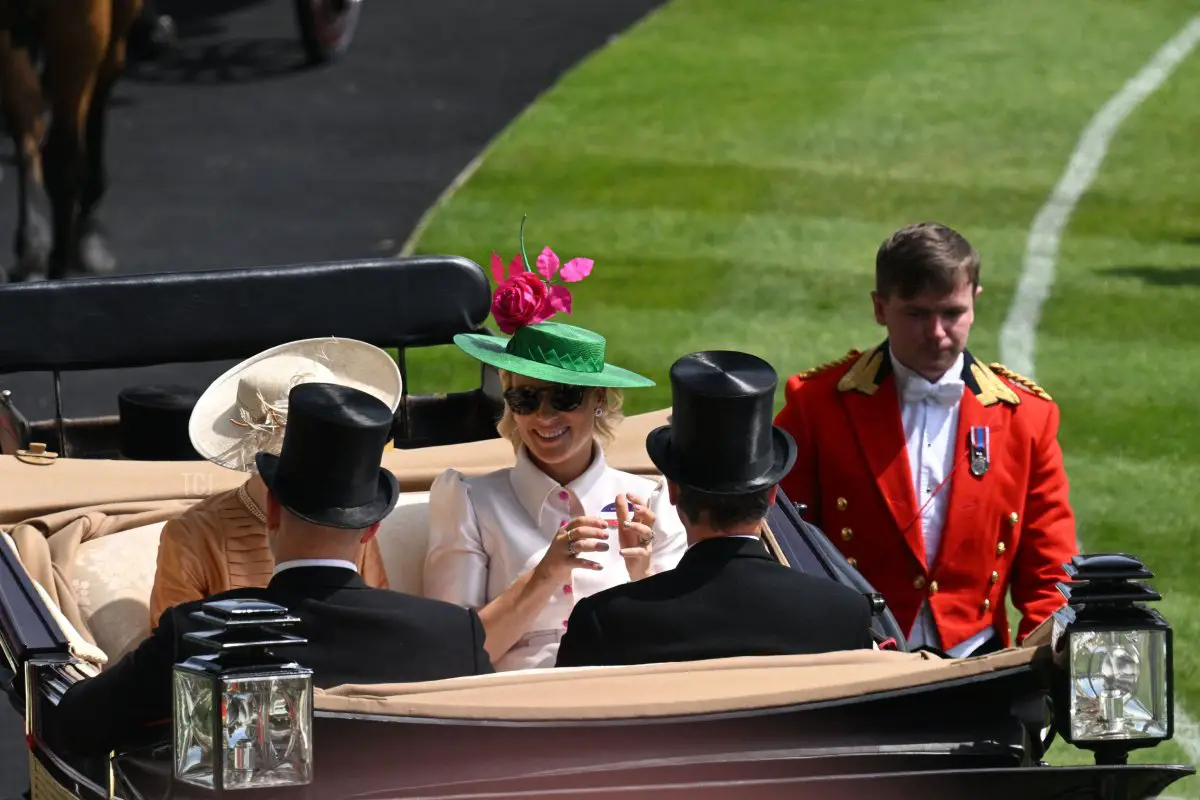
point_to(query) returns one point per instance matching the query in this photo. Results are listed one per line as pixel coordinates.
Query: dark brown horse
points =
(61, 173)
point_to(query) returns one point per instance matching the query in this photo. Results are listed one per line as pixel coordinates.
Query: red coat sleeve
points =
(801, 484)
(1048, 535)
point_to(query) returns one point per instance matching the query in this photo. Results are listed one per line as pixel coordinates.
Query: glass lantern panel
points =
(267, 731)
(1119, 685)
(193, 726)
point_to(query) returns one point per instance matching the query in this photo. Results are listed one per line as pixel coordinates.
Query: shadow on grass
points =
(1160, 276)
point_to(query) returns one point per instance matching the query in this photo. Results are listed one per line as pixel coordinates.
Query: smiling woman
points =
(523, 544)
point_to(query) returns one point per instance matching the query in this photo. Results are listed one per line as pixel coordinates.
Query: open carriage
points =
(80, 536)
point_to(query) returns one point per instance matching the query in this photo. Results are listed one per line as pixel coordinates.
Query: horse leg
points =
(21, 96)
(94, 254)
(76, 39)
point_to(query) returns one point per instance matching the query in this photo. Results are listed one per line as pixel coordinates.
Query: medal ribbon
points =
(979, 438)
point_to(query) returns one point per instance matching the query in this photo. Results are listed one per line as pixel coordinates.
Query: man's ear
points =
(370, 532)
(877, 303)
(673, 492)
(978, 291)
(274, 511)
(773, 495)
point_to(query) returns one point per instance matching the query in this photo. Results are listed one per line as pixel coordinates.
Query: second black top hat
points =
(722, 439)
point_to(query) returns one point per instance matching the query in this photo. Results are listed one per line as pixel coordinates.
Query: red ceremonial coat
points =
(1012, 526)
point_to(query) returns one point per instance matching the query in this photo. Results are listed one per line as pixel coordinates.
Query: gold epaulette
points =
(808, 373)
(1017, 377)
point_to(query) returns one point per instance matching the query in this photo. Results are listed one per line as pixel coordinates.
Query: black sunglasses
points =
(526, 399)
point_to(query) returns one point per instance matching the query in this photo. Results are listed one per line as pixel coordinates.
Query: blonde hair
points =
(606, 424)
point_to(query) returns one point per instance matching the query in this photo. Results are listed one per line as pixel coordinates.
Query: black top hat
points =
(721, 439)
(153, 422)
(328, 471)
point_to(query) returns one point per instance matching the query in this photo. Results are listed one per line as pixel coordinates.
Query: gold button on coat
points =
(933, 587)
(852, 561)
(841, 504)
(995, 576)
(1000, 548)
(847, 534)
(987, 604)
(919, 582)
(1012, 518)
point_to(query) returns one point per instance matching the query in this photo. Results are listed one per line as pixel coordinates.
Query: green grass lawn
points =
(732, 167)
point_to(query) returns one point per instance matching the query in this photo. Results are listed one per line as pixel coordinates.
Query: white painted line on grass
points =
(1019, 333)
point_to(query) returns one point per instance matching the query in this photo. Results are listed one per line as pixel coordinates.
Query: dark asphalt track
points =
(230, 155)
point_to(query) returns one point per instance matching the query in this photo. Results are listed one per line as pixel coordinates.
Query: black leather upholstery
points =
(144, 320)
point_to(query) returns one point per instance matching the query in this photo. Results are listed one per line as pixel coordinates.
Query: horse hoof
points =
(95, 256)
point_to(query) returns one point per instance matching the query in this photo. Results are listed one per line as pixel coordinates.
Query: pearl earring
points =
(599, 411)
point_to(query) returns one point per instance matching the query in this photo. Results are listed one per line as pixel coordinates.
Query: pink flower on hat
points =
(521, 300)
(525, 297)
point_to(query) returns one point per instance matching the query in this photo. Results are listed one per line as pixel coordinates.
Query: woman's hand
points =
(636, 535)
(580, 535)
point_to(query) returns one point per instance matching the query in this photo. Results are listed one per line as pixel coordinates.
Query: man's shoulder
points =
(829, 373)
(424, 605)
(369, 598)
(826, 587)
(429, 611)
(648, 588)
(179, 618)
(1026, 388)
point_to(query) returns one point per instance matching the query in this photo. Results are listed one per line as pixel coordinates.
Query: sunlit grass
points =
(732, 167)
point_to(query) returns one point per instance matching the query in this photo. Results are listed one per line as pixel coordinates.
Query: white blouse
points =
(487, 531)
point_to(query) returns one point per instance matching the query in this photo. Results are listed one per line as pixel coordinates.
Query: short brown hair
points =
(925, 256)
(722, 512)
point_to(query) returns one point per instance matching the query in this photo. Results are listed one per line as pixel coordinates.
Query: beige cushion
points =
(92, 659)
(113, 578)
(114, 574)
(403, 537)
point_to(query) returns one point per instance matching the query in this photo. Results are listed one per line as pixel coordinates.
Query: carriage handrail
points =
(214, 315)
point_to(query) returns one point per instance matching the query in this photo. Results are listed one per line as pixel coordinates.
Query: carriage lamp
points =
(242, 715)
(1115, 683)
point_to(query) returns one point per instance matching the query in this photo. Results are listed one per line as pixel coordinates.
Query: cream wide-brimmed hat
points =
(244, 411)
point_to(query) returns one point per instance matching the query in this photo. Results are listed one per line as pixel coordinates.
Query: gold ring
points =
(646, 540)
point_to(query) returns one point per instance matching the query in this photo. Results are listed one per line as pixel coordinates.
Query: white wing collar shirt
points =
(486, 531)
(929, 412)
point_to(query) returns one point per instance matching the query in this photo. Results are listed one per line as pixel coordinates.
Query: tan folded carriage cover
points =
(658, 690)
(27, 490)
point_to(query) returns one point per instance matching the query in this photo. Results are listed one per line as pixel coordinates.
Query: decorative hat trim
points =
(527, 297)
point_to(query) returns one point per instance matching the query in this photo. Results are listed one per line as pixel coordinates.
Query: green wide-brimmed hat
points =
(551, 351)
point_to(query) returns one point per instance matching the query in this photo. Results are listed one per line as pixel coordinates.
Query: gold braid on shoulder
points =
(1017, 377)
(808, 373)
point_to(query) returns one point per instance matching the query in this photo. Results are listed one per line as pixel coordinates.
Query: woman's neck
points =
(257, 491)
(570, 469)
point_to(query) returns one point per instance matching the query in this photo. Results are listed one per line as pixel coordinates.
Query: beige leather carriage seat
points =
(113, 575)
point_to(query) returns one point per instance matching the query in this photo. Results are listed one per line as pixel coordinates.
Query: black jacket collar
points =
(297, 579)
(724, 548)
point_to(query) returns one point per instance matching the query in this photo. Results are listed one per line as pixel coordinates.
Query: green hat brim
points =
(491, 350)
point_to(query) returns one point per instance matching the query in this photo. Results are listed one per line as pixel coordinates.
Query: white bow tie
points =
(944, 394)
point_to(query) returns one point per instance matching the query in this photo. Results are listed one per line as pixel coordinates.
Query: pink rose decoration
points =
(525, 298)
(521, 300)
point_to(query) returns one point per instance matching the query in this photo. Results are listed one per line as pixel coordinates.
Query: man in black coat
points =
(727, 597)
(327, 495)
